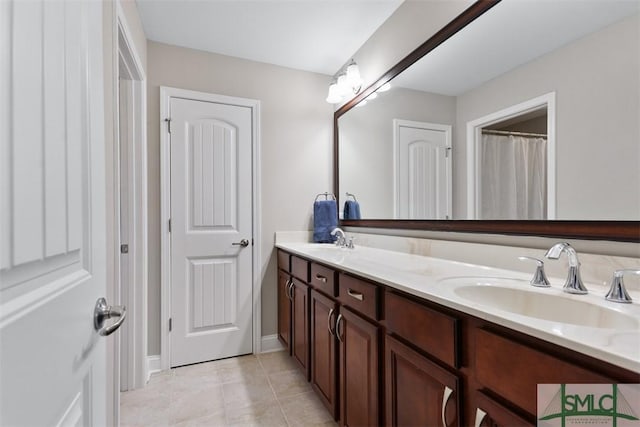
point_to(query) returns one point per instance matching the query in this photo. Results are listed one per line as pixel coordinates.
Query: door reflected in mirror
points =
(583, 164)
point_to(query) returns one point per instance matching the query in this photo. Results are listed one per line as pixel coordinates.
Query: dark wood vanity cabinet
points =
(359, 370)
(284, 309)
(324, 350)
(293, 308)
(378, 356)
(284, 299)
(489, 413)
(417, 391)
(300, 325)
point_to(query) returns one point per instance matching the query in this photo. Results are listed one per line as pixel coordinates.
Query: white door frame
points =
(132, 354)
(474, 135)
(166, 93)
(397, 124)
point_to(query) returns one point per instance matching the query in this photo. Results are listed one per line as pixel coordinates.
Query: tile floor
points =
(262, 390)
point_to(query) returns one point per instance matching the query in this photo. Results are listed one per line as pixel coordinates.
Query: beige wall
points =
(296, 150)
(597, 89)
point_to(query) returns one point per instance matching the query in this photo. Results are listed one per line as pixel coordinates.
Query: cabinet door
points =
(300, 325)
(418, 392)
(489, 413)
(358, 370)
(324, 374)
(284, 310)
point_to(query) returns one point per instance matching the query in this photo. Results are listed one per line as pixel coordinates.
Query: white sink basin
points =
(327, 251)
(550, 304)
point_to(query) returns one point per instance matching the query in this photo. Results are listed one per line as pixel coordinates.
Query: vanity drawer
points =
(430, 330)
(513, 370)
(360, 295)
(496, 415)
(323, 278)
(284, 260)
(300, 268)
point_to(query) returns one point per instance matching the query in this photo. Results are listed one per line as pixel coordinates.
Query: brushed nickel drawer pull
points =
(354, 294)
(290, 288)
(338, 322)
(445, 400)
(480, 414)
(329, 322)
(321, 278)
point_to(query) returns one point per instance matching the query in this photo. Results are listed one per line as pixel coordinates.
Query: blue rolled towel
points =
(325, 219)
(352, 210)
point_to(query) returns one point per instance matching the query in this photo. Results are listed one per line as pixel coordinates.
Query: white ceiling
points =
(311, 35)
(510, 34)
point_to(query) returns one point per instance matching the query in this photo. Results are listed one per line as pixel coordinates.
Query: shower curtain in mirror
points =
(513, 178)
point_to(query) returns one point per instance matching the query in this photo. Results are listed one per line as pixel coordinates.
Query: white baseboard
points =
(153, 365)
(270, 343)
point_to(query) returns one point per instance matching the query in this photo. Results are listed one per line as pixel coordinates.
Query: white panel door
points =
(211, 194)
(52, 263)
(423, 170)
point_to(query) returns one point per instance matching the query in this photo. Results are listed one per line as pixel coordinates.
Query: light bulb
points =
(343, 85)
(353, 77)
(334, 96)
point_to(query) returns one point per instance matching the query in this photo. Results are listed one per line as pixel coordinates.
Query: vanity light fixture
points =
(346, 84)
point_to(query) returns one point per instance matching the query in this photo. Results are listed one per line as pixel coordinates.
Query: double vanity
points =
(390, 338)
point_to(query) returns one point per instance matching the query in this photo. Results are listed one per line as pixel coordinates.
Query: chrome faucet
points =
(341, 238)
(573, 284)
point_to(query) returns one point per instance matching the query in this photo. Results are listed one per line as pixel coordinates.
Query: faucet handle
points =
(618, 292)
(539, 278)
(350, 244)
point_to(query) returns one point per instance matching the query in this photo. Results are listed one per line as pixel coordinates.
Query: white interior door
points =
(52, 263)
(211, 194)
(422, 170)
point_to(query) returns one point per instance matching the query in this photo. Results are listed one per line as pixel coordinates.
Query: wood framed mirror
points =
(621, 222)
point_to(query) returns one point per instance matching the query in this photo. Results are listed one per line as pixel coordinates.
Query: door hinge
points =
(170, 324)
(447, 151)
(168, 120)
(169, 225)
(124, 249)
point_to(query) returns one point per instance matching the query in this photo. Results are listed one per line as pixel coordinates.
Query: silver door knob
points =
(244, 243)
(103, 312)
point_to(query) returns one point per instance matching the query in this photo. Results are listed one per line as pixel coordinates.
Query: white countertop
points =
(424, 277)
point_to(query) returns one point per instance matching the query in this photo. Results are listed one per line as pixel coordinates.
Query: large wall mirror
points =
(518, 117)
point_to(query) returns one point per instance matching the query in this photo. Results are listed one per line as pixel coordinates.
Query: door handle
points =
(244, 243)
(103, 312)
